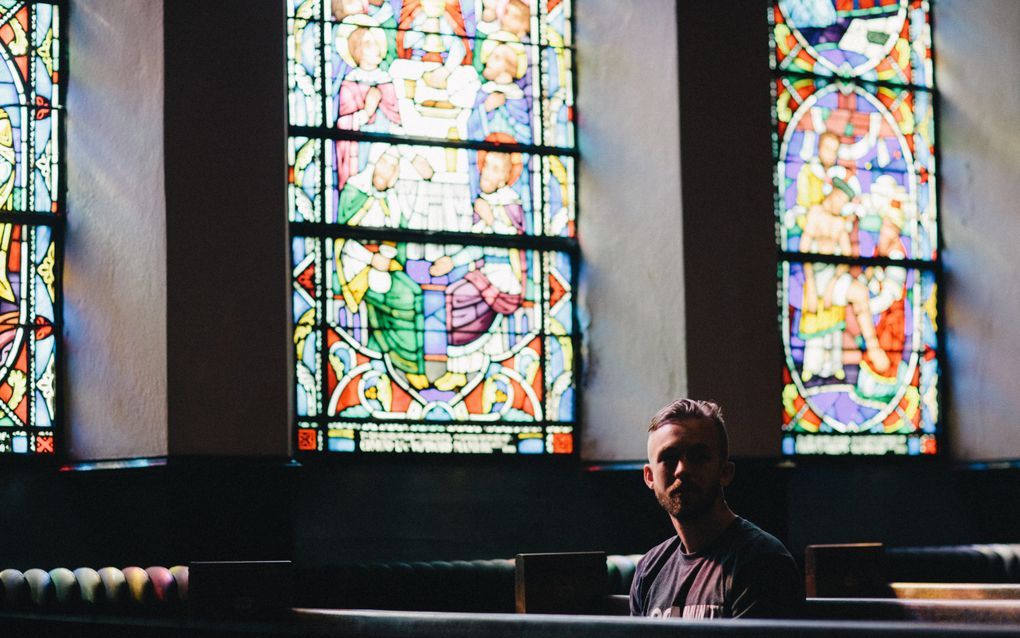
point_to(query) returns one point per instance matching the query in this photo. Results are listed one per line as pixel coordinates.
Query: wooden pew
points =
(859, 570)
(393, 624)
(976, 612)
(561, 583)
(956, 591)
(845, 583)
(854, 570)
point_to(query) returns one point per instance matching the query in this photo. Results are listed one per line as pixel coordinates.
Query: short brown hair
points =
(686, 409)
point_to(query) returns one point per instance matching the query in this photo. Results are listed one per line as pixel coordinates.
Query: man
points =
(718, 565)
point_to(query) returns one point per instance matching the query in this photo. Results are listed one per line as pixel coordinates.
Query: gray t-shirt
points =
(746, 572)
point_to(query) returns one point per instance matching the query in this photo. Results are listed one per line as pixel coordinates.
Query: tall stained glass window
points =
(432, 221)
(854, 144)
(31, 222)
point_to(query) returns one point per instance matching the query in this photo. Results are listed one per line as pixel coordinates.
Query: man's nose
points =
(680, 467)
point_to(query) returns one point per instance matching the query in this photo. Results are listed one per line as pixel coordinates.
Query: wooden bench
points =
(860, 570)
(955, 591)
(846, 583)
(396, 624)
(988, 612)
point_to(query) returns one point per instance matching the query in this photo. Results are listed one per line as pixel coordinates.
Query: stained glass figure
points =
(857, 226)
(433, 69)
(875, 146)
(438, 319)
(376, 88)
(433, 216)
(438, 189)
(31, 223)
(432, 188)
(862, 355)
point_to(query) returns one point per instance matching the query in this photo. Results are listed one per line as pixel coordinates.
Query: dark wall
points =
(733, 347)
(162, 515)
(383, 509)
(321, 514)
(401, 509)
(227, 271)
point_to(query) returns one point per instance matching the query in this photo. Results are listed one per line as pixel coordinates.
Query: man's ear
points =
(728, 470)
(649, 479)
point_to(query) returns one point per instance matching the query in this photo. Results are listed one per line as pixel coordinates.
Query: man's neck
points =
(697, 534)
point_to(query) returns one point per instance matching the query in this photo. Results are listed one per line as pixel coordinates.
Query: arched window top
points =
(874, 41)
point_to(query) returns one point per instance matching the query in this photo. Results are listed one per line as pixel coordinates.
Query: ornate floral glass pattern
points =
(31, 223)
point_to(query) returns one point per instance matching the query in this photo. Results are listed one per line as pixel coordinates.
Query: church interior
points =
(176, 403)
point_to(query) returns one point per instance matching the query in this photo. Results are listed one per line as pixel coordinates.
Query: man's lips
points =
(682, 490)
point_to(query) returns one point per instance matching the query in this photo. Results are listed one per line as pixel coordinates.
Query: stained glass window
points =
(856, 215)
(432, 214)
(31, 222)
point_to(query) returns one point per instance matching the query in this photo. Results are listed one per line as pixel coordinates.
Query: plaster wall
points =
(115, 268)
(977, 57)
(631, 291)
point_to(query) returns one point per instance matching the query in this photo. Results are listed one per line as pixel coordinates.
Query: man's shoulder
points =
(663, 550)
(766, 582)
(751, 541)
(648, 571)
(652, 562)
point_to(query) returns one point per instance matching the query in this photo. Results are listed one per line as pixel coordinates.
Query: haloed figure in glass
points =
(718, 565)
(370, 277)
(502, 105)
(367, 101)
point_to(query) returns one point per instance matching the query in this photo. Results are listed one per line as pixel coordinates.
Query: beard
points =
(688, 503)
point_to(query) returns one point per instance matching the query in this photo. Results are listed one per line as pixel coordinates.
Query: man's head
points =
(828, 148)
(491, 9)
(688, 458)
